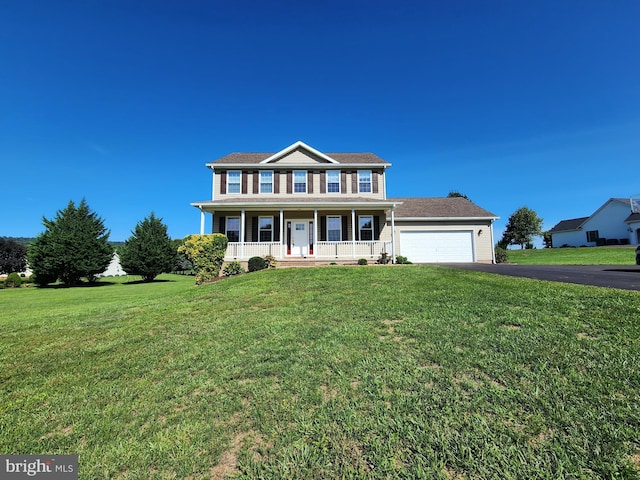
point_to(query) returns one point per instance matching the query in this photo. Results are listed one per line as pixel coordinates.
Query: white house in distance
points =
(305, 205)
(612, 224)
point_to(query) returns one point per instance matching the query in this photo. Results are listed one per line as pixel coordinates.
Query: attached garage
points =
(437, 246)
(443, 230)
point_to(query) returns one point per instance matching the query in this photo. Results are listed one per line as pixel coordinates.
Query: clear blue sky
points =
(510, 102)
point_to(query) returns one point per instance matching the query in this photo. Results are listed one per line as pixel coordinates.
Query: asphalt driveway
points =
(612, 276)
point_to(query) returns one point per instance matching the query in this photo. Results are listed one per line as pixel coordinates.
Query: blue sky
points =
(512, 103)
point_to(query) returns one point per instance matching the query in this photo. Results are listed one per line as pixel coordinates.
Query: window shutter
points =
(244, 182)
(289, 182)
(323, 182)
(354, 182)
(374, 181)
(223, 226)
(223, 182)
(345, 228)
(256, 182)
(276, 182)
(276, 229)
(376, 227)
(343, 182)
(254, 229)
(323, 228)
(310, 181)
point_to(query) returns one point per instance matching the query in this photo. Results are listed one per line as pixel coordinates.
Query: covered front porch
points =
(298, 232)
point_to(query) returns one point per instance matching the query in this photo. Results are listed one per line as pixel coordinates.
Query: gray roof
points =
(256, 158)
(570, 224)
(439, 207)
(634, 217)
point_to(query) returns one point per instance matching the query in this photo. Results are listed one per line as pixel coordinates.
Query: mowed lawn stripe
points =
(340, 372)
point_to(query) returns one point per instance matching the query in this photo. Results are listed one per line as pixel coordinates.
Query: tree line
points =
(75, 245)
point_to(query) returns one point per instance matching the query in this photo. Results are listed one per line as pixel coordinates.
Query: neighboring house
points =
(300, 203)
(612, 224)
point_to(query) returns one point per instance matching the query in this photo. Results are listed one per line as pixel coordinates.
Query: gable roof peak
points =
(295, 146)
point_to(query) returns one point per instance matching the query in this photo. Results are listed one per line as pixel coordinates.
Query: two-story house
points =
(300, 203)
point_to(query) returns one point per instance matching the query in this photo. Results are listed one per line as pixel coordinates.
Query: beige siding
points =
(299, 157)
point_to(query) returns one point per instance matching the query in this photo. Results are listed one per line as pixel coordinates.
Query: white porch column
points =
(201, 221)
(315, 232)
(393, 235)
(353, 232)
(242, 234)
(493, 250)
(281, 233)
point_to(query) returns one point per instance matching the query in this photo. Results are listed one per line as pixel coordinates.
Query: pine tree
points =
(149, 251)
(74, 245)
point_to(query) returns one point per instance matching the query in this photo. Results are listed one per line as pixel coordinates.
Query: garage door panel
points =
(437, 246)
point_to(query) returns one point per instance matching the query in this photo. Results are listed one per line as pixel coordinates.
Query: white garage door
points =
(437, 246)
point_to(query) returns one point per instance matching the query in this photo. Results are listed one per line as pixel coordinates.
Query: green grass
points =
(337, 372)
(575, 256)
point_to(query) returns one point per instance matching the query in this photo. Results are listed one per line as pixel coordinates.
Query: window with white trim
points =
(265, 229)
(299, 181)
(333, 181)
(592, 236)
(365, 225)
(334, 229)
(266, 181)
(233, 229)
(364, 181)
(233, 181)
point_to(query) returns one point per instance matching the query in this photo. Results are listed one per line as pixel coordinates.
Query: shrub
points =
(257, 263)
(270, 261)
(13, 280)
(362, 261)
(502, 256)
(232, 268)
(402, 260)
(206, 253)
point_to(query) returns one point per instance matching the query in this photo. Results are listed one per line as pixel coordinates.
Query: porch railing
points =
(325, 250)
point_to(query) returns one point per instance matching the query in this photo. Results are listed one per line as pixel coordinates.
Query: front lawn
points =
(335, 372)
(575, 256)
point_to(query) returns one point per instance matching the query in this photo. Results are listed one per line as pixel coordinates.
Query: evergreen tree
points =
(13, 256)
(523, 225)
(149, 251)
(75, 244)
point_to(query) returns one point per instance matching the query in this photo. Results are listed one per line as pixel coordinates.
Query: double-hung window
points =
(233, 229)
(265, 229)
(299, 181)
(334, 229)
(366, 228)
(364, 181)
(592, 236)
(233, 181)
(266, 181)
(333, 181)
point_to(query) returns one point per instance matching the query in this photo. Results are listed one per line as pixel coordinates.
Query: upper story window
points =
(364, 181)
(233, 181)
(266, 181)
(366, 228)
(233, 229)
(333, 181)
(299, 181)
